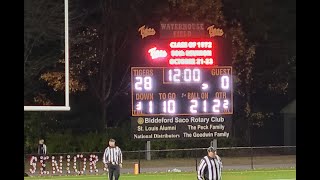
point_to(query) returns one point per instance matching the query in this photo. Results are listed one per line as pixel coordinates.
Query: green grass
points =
(261, 174)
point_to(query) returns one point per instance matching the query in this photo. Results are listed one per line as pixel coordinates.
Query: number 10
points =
(169, 106)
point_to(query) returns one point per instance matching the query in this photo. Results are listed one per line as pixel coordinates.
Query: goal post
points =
(66, 107)
(46, 108)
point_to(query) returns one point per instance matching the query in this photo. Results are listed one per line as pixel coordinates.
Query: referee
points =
(210, 166)
(42, 148)
(42, 152)
(112, 158)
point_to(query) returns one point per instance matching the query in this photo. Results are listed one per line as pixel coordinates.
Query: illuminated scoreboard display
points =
(183, 53)
(183, 94)
(181, 91)
(186, 53)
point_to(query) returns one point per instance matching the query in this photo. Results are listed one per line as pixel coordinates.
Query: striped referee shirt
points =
(112, 155)
(210, 168)
(42, 149)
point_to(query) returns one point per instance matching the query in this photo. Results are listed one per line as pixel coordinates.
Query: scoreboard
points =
(182, 93)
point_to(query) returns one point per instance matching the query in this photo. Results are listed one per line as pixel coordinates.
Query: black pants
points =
(114, 170)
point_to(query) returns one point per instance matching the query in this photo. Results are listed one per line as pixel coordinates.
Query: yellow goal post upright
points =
(66, 106)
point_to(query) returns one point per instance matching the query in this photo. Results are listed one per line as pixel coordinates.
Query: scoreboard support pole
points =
(148, 148)
(214, 143)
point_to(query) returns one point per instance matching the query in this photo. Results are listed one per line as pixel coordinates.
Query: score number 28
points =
(143, 83)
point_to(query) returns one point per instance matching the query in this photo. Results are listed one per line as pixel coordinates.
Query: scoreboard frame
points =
(166, 83)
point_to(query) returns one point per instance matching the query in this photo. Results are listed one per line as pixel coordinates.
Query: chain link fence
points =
(169, 160)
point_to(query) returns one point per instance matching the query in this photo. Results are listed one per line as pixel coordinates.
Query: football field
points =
(267, 174)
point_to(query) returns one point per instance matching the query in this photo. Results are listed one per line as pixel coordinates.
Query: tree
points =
(99, 54)
(43, 21)
(270, 25)
(113, 39)
(43, 44)
(274, 39)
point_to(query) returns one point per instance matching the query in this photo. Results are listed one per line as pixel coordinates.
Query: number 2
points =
(216, 106)
(193, 107)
